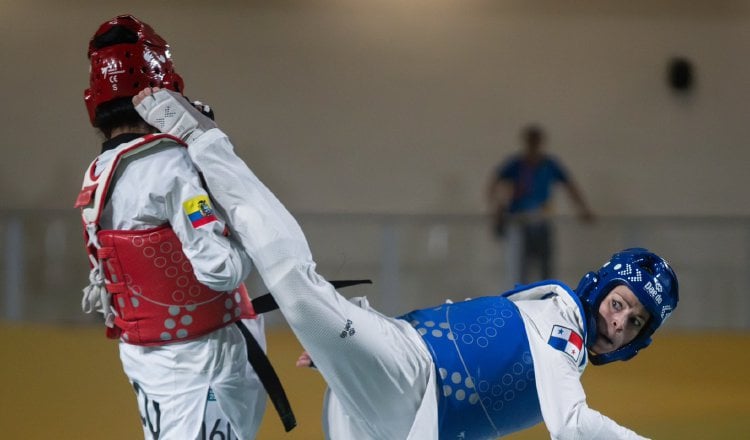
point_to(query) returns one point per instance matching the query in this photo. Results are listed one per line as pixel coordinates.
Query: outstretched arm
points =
(584, 212)
(498, 195)
(563, 402)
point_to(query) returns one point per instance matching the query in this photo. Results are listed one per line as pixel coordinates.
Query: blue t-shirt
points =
(532, 184)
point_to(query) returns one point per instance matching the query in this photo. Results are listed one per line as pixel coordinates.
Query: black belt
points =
(262, 366)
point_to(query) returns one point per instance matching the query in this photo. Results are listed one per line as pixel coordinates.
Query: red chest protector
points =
(154, 297)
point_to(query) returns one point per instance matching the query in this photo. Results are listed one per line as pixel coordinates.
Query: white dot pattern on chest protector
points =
(458, 386)
(483, 391)
(186, 297)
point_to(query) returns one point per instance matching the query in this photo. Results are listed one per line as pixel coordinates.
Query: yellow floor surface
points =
(67, 383)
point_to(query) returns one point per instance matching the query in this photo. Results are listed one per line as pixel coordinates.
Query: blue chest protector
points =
(485, 370)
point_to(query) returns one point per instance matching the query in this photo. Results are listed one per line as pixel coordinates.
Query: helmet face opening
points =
(126, 56)
(650, 278)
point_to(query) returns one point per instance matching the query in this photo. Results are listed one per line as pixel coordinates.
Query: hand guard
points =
(171, 113)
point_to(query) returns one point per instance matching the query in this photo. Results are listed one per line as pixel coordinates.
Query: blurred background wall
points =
(402, 106)
(378, 124)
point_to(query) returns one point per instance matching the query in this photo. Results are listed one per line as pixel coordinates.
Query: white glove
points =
(171, 113)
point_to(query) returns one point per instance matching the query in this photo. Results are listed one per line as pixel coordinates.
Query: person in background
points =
(519, 196)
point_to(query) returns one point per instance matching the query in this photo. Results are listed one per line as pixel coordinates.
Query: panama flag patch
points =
(566, 340)
(199, 211)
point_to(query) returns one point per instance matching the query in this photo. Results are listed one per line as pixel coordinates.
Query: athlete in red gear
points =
(165, 275)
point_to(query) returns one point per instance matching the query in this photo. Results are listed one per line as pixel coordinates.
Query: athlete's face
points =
(621, 318)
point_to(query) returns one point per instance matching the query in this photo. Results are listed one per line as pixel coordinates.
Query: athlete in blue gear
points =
(476, 369)
(537, 336)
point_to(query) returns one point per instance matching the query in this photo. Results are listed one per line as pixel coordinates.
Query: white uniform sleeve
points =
(558, 379)
(563, 402)
(153, 189)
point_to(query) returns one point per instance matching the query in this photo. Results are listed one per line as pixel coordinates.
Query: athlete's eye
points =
(616, 304)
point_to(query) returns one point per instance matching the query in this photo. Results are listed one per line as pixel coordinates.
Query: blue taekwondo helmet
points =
(651, 279)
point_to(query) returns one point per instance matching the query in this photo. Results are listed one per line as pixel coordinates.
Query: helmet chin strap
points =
(623, 353)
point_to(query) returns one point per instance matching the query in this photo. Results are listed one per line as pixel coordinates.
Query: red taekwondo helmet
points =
(126, 66)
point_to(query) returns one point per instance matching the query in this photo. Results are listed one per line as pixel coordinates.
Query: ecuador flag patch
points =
(199, 211)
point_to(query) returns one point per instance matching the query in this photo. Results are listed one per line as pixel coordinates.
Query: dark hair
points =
(117, 112)
(533, 133)
(115, 35)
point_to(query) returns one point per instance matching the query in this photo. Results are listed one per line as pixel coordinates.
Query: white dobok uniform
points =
(381, 376)
(172, 381)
